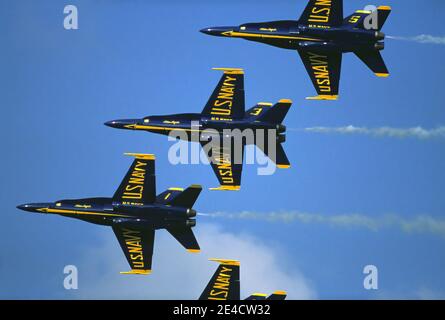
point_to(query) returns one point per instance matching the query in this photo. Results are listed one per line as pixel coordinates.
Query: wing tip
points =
(286, 101)
(194, 250)
(382, 75)
(143, 156)
(226, 188)
(137, 271)
(283, 166)
(226, 261)
(230, 70)
(324, 97)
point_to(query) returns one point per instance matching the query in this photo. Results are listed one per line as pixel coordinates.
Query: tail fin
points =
(357, 19)
(277, 113)
(186, 198)
(383, 14)
(374, 60)
(277, 295)
(225, 282)
(258, 110)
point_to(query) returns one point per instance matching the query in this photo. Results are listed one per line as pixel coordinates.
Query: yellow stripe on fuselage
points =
(271, 36)
(88, 213)
(142, 127)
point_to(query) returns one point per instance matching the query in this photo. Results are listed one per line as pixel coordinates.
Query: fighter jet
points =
(224, 119)
(225, 284)
(135, 212)
(321, 36)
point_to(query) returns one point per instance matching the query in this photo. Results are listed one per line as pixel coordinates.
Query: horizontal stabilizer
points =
(374, 61)
(186, 237)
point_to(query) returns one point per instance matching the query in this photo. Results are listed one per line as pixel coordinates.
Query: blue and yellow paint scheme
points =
(224, 118)
(135, 212)
(321, 36)
(225, 284)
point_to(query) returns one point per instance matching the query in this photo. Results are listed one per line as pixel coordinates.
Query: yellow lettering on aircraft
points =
(171, 122)
(320, 67)
(223, 104)
(321, 11)
(84, 206)
(224, 167)
(220, 289)
(133, 240)
(354, 19)
(135, 186)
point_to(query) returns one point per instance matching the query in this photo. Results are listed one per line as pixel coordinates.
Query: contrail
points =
(423, 38)
(415, 132)
(419, 224)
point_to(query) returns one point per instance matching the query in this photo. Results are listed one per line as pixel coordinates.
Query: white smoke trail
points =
(415, 132)
(423, 38)
(419, 224)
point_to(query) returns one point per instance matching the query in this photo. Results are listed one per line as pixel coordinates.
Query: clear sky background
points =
(353, 200)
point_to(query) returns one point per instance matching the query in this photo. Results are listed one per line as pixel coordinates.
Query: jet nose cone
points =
(121, 124)
(34, 207)
(218, 31)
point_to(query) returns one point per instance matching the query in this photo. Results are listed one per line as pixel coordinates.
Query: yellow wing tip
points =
(137, 271)
(280, 293)
(268, 104)
(226, 261)
(258, 294)
(196, 186)
(388, 8)
(323, 97)
(283, 166)
(363, 11)
(194, 250)
(176, 189)
(141, 156)
(230, 70)
(382, 75)
(285, 101)
(226, 188)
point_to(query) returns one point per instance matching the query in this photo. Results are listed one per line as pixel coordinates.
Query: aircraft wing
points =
(225, 282)
(139, 184)
(323, 13)
(324, 69)
(137, 245)
(227, 100)
(226, 163)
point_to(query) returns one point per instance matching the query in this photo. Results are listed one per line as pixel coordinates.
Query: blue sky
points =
(138, 58)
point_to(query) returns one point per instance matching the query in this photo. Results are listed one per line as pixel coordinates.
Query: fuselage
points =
(293, 35)
(103, 211)
(194, 126)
